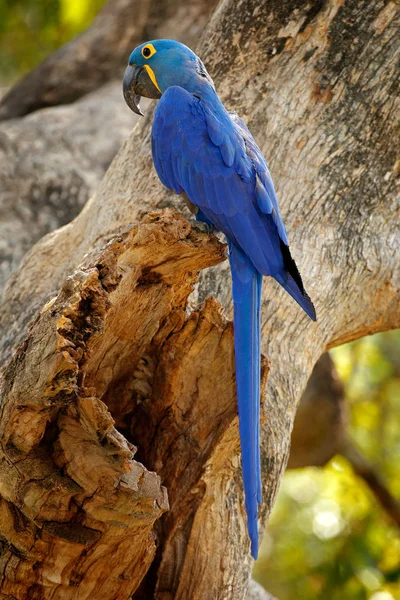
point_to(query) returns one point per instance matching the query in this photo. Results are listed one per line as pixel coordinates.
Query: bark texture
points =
(68, 478)
(257, 592)
(318, 84)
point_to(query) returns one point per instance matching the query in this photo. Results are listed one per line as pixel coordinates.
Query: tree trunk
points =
(318, 84)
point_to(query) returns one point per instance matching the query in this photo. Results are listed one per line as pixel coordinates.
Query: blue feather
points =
(214, 128)
(246, 287)
(227, 153)
(264, 201)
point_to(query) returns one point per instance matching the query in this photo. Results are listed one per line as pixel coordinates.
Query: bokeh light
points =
(328, 537)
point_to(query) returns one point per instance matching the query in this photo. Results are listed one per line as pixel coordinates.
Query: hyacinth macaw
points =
(207, 153)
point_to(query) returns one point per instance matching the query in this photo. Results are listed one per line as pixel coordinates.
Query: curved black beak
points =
(137, 83)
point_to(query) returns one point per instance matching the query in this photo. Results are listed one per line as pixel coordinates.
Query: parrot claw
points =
(201, 227)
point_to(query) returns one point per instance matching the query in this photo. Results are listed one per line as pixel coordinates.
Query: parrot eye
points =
(148, 51)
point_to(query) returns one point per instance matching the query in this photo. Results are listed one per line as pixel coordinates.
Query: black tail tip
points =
(309, 307)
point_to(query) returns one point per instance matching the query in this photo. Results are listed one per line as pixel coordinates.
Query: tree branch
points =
(320, 424)
(373, 480)
(52, 161)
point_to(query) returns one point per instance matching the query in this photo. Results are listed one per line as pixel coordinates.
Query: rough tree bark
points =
(68, 477)
(321, 80)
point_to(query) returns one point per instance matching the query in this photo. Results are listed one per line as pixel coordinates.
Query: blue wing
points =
(212, 156)
(265, 191)
(214, 159)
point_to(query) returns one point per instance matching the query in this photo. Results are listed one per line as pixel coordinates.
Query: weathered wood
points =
(68, 477)
(318, 84)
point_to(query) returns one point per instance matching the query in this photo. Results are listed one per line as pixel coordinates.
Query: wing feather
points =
(216, 162)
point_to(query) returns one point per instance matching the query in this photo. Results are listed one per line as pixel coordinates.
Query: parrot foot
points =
(202, 227)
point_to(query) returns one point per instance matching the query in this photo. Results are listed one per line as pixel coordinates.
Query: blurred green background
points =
(328, 537)
(32, 29)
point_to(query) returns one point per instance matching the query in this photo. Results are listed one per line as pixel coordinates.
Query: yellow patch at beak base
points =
(152, 76)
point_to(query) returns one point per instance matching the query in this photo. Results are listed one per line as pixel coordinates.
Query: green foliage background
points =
(32, 29)
(328, 538)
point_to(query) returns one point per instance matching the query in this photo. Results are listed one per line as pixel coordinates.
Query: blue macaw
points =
(207, 153)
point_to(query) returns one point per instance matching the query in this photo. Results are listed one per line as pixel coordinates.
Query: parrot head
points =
(155, 66)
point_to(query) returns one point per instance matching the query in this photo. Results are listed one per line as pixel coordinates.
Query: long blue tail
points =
(246, 292)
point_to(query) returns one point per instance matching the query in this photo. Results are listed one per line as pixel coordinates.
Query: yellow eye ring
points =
(148, 50)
